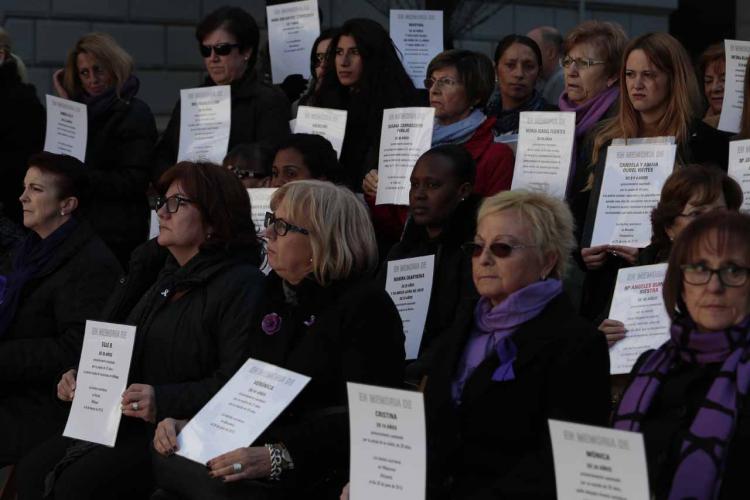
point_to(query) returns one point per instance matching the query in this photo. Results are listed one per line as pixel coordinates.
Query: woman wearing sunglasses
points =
(690, 397)
(228, 43)
(190, 294)
(524, 357)
(121, 137)
(323, 316)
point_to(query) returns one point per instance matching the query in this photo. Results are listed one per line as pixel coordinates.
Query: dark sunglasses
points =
(221, 49)
(499, 250)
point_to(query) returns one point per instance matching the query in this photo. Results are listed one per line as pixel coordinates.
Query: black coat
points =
(260, 114)
(355, 335)
(45, 336)
(121, 137)
(453, 294)
(496, 444)
(22, 119)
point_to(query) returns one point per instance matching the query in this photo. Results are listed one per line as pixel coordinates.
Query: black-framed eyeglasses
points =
(221, 49)
(280, 226)
(729, 276)
(498, 249)
(581, 63)
(173, 203)
(444, 82)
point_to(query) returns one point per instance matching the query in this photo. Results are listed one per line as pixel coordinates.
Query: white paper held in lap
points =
(406, 134)
(409, 283)
(247, 404)
(638, 303)
(292, 30)
(631, 188)
(739, 169)
(101, 380)
(205, 122)
(597, 462)
(737, 52)
(418, 35)
(67, 128)
(388, 443)
(544, 151)
(327, 123)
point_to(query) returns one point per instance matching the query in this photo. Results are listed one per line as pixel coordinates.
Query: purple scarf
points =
(493, 327)
(704, 450)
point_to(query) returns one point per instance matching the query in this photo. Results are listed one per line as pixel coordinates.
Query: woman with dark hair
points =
(690, 398)
(58, 277)
(228, 42)
(442, 218)
(304, 156)
(121, 137)
(363, 76)
(191, 305)
(318, 60)
(518, 65)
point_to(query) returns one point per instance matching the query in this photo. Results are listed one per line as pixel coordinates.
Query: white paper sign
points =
(631, 188)
(153, 225)
(418, 35)
(409, 283)
(260, 203)
(292, 30)
(593, 463)
(406, 134)
(67, 128)
(544, 151)
(388, 443)
(205, 122)
(101, 380)
(737, 52)
(327, 123)
(739, 169)
(639, 305)
(247, 404)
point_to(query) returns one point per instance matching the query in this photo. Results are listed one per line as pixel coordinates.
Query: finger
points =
(167, 448)
(171, 435)
(615, 337)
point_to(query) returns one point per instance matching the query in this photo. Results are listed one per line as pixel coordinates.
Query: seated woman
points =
(689, 398)
(191, 306)
(302, 157)
(322, 316)
(443, 214)
(58, 277)
(251, 163)
(525, 357)
(518, 64)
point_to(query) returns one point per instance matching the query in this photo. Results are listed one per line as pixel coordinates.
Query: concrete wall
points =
(159, 33)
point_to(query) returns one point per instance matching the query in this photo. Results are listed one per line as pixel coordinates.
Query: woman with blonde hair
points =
(323, 316)
(121, 135)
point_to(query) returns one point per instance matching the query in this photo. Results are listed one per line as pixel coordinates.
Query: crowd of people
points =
(517, 327)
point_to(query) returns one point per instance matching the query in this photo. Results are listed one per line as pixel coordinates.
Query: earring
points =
(543, 277)
(62, 212)
(209, 235)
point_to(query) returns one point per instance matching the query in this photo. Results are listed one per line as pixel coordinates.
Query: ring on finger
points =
(134, 405)
(237, 467)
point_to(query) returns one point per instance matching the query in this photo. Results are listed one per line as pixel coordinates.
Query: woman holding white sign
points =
(690, 398)
(190, 294)
(322, 316)
(525, 357)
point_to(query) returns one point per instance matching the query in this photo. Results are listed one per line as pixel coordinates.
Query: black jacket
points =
(354, 335)
(45, 336)
(22, 121)
(453, 295)
(121, 137)
(192, 322)
(260, 113)
(496, 444)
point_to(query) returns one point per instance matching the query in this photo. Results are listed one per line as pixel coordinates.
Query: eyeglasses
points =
(581, 63)
(280, 226)
(173, 203)
(499, 250)
(699, 274)
(221, 49)
(444, 82)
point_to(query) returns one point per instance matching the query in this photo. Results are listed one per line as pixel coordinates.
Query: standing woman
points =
(228, 42)
(121, 136)
(318, 60)
(518, 64)
(690, 397)
(363, 76)
(712, 69)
